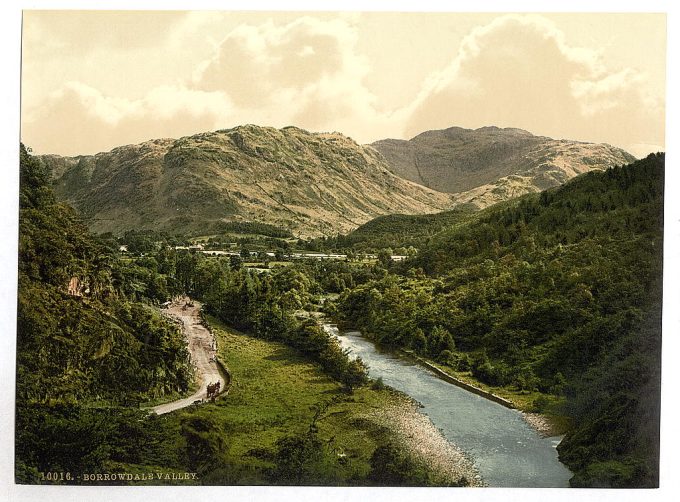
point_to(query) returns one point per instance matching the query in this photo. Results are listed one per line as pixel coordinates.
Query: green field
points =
(275, 393)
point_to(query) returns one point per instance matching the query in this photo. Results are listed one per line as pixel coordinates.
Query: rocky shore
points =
(425, 442)
(542, 424)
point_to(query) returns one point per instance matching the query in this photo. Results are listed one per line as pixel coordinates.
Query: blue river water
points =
(506, 450)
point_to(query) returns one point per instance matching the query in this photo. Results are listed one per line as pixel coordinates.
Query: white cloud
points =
(605, 93)
(305, 72)
(519, 71)
(79, 119)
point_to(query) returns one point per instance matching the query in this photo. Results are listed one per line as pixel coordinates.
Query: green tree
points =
(235, 262)
(297, 458)
(440, 340)
(355, 374)
(385, 257)
(391, 466)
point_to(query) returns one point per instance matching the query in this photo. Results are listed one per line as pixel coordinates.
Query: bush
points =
(378, 384)
(463, 362)
(609, 474)
(496, 374)
(296, 458)
(540, 404)
(391, 466)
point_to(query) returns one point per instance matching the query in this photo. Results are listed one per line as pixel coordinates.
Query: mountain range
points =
(312, 184)
(488, 165)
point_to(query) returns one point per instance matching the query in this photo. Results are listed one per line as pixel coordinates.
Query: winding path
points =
(202, 347)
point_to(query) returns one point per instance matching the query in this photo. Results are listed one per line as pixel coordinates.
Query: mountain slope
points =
(86, 352)
(312, 184)
(76, 324)
(488, 165)
(394, 231)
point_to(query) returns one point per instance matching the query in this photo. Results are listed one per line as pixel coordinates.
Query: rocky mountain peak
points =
(486, 165)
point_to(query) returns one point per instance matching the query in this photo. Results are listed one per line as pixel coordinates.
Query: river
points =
(506, 450)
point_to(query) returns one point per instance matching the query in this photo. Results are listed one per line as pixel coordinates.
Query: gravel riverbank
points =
(542, 424)
(425, 442)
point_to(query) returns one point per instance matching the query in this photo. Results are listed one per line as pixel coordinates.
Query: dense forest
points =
(392, 231)
(86, 350)
(558, 293)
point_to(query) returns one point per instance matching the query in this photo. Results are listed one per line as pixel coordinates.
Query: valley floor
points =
(275, 393)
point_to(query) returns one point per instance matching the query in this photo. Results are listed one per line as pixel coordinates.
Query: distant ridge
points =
(491, 164)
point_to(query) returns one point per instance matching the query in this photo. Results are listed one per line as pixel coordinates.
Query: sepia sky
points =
(95, 80)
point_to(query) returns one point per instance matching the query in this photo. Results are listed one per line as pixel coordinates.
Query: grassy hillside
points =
(558, 293)
(305, 183)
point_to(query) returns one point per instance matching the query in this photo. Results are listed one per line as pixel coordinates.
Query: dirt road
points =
(202, 348)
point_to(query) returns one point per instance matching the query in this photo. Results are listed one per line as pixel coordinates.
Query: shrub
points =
(391, 466)
(378, 384)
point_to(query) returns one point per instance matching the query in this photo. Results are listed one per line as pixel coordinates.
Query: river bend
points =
(506, 450)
